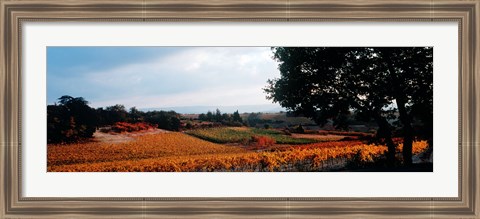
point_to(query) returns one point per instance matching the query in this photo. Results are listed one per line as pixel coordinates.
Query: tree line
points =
(72, 119)
(234, 119)
(224, 118)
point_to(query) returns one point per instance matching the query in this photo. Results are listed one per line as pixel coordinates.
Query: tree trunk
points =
(398, 93)
(428, 154)
(407, 132)
(385, 132)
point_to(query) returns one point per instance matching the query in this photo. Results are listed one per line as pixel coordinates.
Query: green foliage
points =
(209, 116)
(70, 121)
(168, 120)
(134, 115)
(244, 135)
(221, 135)
(218, 115)
(299, 129)
(112, 114)
(73, 120)
(253, 119)
(328, 83)
(116, 113)
(224, 119)
(236, 117)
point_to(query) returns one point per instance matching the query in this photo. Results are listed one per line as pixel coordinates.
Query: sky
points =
(161, 77)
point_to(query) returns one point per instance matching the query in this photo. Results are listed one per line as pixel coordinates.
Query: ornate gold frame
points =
(14, 12)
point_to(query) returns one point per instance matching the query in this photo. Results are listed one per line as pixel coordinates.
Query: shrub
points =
(168, 120)
(131, 127)
(262, 141)
(299, 129)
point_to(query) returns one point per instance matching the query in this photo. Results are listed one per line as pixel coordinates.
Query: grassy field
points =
(175, 151)
(244, 134)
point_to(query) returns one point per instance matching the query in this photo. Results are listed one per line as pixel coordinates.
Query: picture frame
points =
(13, 14)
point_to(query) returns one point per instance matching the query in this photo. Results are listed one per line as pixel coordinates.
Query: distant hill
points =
(266, 108)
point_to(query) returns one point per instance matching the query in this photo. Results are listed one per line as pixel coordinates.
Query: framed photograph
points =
(261, 109)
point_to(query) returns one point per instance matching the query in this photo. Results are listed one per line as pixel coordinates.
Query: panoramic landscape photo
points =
(239, 109)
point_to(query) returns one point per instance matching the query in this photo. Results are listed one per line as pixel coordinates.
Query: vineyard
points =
(243, 135)
(143, 147)
(175, 151)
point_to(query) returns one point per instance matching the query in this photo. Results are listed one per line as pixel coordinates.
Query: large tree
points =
(71, 120)
(236, 117)
(116, 113)
(169, 120)
(326, 83)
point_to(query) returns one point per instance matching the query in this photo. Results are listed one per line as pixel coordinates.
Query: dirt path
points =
(123, 137)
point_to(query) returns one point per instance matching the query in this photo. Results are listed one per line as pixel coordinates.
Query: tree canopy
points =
(223, 118)
(379, 83)
(71, 120)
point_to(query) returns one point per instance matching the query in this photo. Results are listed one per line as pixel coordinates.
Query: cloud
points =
(219, 96)
(182, 76)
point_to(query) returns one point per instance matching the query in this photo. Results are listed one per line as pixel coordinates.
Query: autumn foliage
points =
(131, 127)
(169, 152)
(262, 141)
